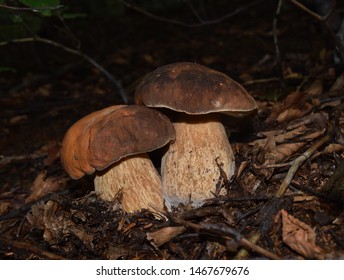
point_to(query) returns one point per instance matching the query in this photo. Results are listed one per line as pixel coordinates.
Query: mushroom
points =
(113, 143)
(193, 166)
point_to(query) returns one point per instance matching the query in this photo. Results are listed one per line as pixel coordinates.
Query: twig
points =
(22, 211)
(116, 82)
(4, 160)
(28, 247)
(277, 49)
(272, 79)
(229, 233)
(67, 30)
(243, 253)
(277, 202)
(33, 9)
(324, 19)
(185, 24)
(275, 165)
(298, 162)
(308, 11)
(193, 10)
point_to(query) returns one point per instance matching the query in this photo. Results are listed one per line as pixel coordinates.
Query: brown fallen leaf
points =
(53, 152)
(284, 151)
(58, 224)
(339, 83)
(300, 237)
(330, 149)
(279, 136)
(4, 207)
(266, 156)
(42, 186)
(293, 100)
(35, 216)
(294, 113)
(333, 148)
(313, 135)
(20, 119)
(316, 88)
(161, 236)
(273, 153)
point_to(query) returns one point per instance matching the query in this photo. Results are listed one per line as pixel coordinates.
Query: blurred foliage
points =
(161, 6)
(27, 21)
(14, 25)
(7, 69)
(36, 4)
(40, 3)
(28, 18)
(99, 8)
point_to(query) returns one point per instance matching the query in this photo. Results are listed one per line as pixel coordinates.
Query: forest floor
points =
(286, 199)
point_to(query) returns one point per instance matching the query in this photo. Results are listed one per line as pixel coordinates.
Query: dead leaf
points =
(303, 198)
(20, 119)
(313, 135)
(44, 90)
(58, 224)
(35, 216)
(280, 136)
(333, 148)
(52, 151)
(268, 157)
(241, 168)
(339, 83)
(4, 207)
(42, 186)
(300, 237)
(294, 113)
(339, 220)
(330, 104)
(330, 149)
(316, 88)
(290, 106)
(284, 151)
(319, 119)
(293, 98)
(161, 236)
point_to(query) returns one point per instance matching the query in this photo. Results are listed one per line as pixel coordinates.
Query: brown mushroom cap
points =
(106, 136)
(194, 89)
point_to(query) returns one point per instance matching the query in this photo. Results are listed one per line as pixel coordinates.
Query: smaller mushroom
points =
(192, 167)
(114, 143)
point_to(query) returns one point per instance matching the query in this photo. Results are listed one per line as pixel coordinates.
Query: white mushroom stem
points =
(137, 179)
(190, 168)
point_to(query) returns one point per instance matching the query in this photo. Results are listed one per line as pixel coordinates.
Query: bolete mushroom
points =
(113, 143)
(193, 164)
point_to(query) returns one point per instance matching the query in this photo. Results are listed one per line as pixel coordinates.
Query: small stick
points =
(116, 83)
(298, 162)
(304, 8)
(291, 173)
(33, 9)
(243, 253)
(229, 233)
(277, 49)
(190, 25)
(35, 250)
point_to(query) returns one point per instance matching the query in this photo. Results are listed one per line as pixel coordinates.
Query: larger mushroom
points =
(192, 167)
(114, 143)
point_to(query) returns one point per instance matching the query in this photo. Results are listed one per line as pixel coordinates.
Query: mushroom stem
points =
(138, 180)
(191, 168)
